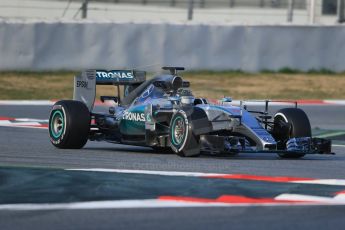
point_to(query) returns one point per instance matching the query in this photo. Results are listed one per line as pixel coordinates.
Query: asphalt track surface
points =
(24, 147)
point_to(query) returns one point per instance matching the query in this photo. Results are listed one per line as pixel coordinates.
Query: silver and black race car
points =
(162, 113)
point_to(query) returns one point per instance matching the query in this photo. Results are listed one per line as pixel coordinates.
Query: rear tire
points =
(299, 126)
(182, 139)
(69, 124)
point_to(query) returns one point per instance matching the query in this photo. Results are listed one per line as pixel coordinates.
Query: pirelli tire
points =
(69, 124)
(299, 126)
(181, 137)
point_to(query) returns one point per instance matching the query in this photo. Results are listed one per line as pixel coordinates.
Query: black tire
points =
(181, 137)
(299, 124)
(69, 124)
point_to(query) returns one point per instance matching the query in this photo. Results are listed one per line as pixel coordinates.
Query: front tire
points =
(69, 124)
(299, 126)
(182, 139)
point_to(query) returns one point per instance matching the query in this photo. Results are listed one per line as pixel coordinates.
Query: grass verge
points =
(239, 85)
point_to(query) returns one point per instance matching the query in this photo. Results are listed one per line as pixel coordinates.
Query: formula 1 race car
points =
(162, 113)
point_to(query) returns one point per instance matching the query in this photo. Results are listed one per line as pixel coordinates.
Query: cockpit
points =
(160, 87)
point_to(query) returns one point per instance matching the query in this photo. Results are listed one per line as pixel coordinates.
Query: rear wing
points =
(85, 83)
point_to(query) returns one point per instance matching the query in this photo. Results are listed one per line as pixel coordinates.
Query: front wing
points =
(232, 145)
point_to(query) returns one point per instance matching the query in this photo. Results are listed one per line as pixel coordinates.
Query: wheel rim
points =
(178, 132)
(57, 124)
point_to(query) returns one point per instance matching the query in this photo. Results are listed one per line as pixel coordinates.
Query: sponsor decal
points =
(133, 116)
(115, 75)
(82, 84)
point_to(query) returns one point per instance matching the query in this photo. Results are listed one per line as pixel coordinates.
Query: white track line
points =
(309, 198)
(31, 120)
(28, 123)
(5, 123)
(148, 172)
(151, 203)
(26, 102)
(335, 102)
(325, 182)
(24, 123)
(27, 126)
